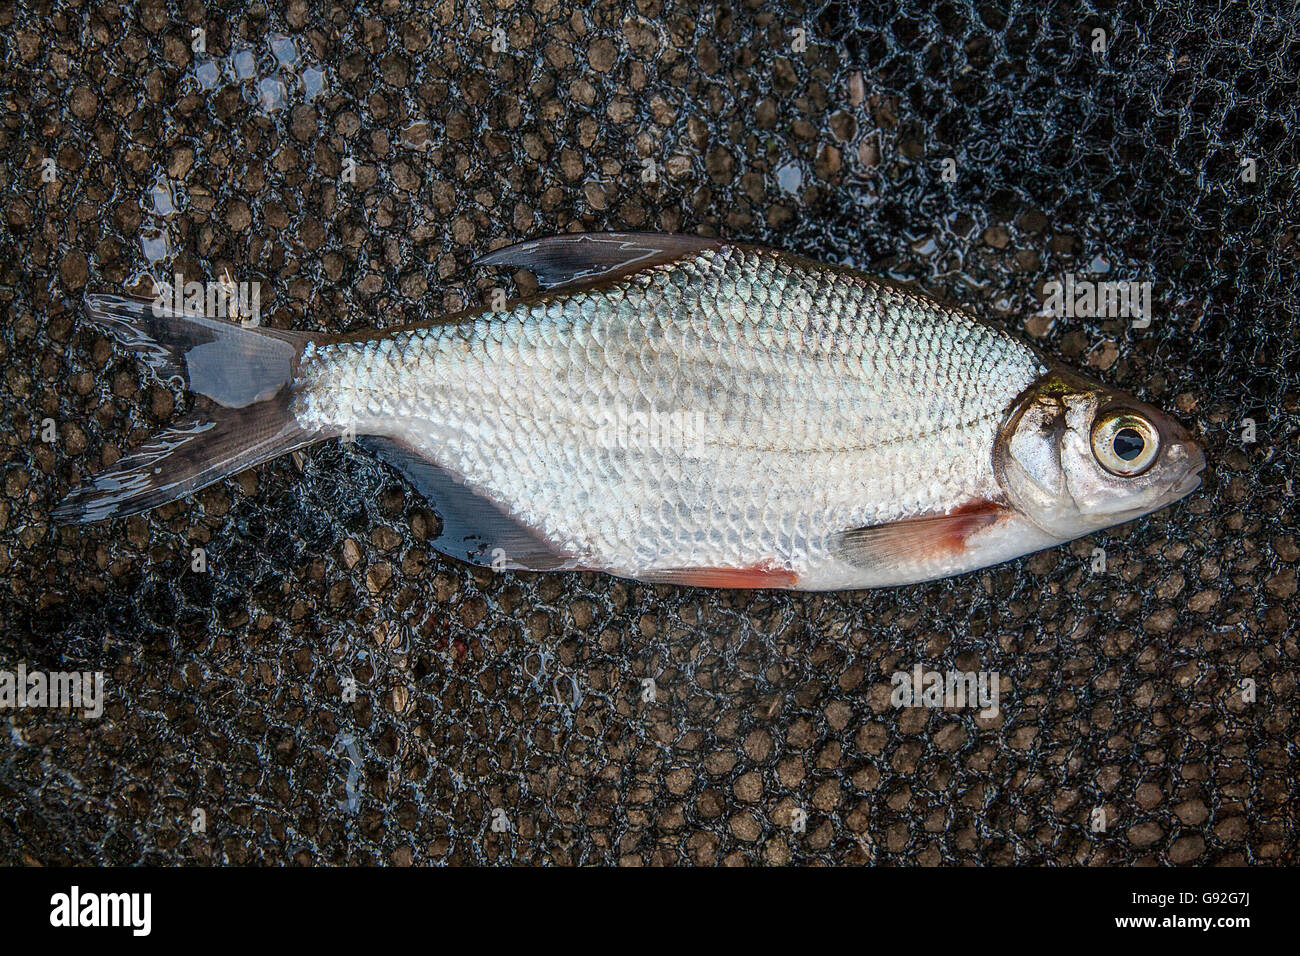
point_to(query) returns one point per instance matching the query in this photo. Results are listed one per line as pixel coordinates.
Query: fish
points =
(673, 409)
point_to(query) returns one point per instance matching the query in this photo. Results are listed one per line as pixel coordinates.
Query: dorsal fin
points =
(474, 529)
(575, 259)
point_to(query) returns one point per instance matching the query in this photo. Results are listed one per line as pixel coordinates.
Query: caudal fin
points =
(242, 417)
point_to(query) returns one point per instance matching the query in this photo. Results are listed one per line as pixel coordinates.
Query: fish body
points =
(692, 411)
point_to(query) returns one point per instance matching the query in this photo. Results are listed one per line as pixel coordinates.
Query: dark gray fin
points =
(575, 259)
(231, 364)
(918, 539)
(243, 418)
(186, 457)
(474, 529)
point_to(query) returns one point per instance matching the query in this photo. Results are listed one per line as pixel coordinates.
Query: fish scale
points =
(824, 401)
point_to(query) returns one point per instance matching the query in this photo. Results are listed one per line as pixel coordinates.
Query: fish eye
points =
(1125, 443)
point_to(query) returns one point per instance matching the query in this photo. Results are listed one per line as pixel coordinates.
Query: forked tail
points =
(242, 416)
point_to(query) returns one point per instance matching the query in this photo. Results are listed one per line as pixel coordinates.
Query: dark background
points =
(1121, 690)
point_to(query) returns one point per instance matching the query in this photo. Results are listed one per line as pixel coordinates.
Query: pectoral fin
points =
(922, 540)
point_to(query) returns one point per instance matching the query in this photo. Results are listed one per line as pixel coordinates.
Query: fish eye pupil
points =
(1128, 444)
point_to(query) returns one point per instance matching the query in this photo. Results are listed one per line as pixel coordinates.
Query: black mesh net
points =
(355, 160)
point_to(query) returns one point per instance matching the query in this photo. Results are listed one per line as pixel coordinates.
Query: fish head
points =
(1074, 456)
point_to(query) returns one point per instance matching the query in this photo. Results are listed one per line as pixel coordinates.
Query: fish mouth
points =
(1192, 480)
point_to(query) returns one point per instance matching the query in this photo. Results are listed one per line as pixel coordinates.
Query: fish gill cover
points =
(292, 674)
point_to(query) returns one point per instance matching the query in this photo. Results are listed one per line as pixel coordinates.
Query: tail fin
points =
(243, 416)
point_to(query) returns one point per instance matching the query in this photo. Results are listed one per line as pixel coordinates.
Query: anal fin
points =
(759, 576)
(474, 529)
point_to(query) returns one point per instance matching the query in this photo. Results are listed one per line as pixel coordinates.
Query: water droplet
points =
(286, 54)
(271, 95)
(313, 81)
(208, 73)
(154, 245)
(163, 198)
(789, 177)
(243, 64)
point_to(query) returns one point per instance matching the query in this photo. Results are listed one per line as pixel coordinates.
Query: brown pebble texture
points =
(329, 689)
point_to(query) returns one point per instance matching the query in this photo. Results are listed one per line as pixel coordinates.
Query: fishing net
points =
(330, 689)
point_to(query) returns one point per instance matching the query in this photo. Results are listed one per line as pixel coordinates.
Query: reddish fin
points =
(760, 576)
(920, 539)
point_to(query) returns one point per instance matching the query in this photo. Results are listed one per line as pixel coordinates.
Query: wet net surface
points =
(354, 161)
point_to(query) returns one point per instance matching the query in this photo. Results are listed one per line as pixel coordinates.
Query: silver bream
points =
(676, 409)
